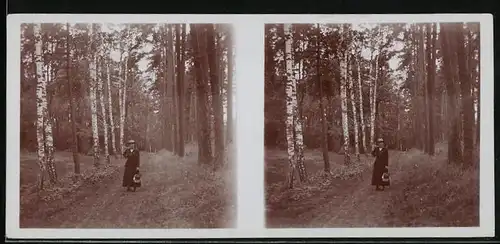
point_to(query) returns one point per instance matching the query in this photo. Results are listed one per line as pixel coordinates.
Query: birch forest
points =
(331, 90)
(86, 89)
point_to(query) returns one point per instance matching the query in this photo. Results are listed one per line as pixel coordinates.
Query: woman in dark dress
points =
(131, 166)
(380, 166)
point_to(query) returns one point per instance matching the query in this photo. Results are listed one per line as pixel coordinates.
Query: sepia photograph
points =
(126, 125)
(187, 126)
(372, 125)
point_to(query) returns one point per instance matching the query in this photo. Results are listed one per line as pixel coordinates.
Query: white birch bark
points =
(41, 104)
(49, 143)
(354, 113)
(104, 120)
(373, 103)
(110, 110)
(299, 137)
(49, 139)
(297, 120)
(289, 106)
(123, 114)
(120, 101)
(372, 112)
(343, 98)
(361, 113)
(93, 97)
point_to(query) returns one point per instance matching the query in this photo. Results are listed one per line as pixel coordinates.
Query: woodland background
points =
(332, 89)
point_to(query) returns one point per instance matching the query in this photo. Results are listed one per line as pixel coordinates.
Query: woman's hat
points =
(131, 142)
(380, 140)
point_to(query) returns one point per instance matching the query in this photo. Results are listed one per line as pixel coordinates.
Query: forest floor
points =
(175, 193)
(425, 191)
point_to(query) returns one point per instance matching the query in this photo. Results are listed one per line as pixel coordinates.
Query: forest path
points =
(170, 197)
(344, 203)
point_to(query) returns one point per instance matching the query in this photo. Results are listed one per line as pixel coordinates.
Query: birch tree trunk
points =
(123, 114)
(290, 97)
(41, 105)
(110, 110)
(370, 96)
(361, 113)
(299, 137)
(350, 84)
(49, 139)
(120, 101)
(373, 102)
(478, 81)
(104, 120)
(229, 44)
(74, 147)
(343, 99)
(93, 96)
(49, 145)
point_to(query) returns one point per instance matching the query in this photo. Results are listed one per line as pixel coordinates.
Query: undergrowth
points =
(54, 197)
(434, 192)
(318, 181)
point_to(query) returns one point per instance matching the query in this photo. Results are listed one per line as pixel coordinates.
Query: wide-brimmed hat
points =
(130, 142)
(380, 140)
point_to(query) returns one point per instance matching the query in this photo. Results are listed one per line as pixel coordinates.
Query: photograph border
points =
(249, 127)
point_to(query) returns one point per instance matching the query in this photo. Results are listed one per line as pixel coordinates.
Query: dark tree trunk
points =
(204, 142)
(431, 69)
(324, 125)
(453, 115)
(416, 93)
(467, 101)
(166, 130)
(173, 94)
(180, 86)
(215, 88)
(72, 105)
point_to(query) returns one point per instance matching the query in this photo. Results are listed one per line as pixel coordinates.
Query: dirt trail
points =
(345, 203)
(168, 198)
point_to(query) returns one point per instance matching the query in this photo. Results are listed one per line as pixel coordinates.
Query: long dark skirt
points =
(128, 177)
(378, 171)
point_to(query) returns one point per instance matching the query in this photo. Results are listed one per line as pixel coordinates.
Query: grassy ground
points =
(425, 191)
(175, 193)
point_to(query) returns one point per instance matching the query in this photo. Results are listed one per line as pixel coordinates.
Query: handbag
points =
(386, 177)
(137, 178)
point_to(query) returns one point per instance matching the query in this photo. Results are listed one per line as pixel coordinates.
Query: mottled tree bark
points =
(41, 105)
(93, 95)
(289, 123)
